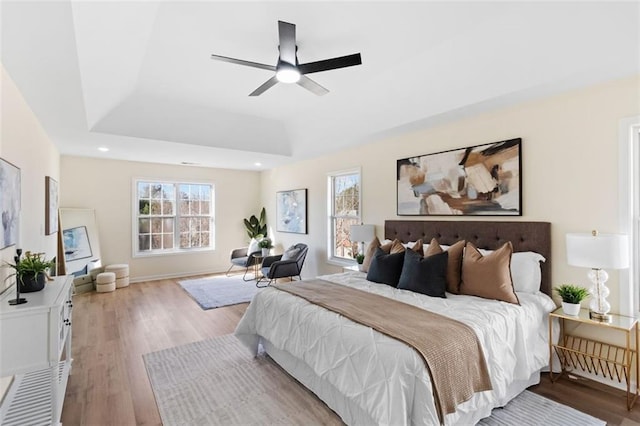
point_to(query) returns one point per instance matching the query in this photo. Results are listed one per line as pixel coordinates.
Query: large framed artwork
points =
(291, 211)
(50, 205)
(9, 204)
(481, 180)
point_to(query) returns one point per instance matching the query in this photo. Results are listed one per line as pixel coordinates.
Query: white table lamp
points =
(598, 251)
(362, 234)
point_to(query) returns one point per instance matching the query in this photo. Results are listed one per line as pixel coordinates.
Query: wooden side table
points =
(596, 357)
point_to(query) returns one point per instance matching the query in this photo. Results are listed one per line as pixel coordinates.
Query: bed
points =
(370, 378)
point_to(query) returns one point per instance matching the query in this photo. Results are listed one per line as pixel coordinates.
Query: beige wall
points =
(24, 143)
(570, 169)
(106, 186)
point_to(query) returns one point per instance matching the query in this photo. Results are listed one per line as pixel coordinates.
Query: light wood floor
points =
(111, 331)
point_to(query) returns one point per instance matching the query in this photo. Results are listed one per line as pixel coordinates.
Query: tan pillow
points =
(417, 247)
(368, 254)
(454, 266)
(396, 247)
(488, 276)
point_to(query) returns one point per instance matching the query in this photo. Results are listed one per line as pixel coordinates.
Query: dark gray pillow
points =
(385, 268)
(426, 275)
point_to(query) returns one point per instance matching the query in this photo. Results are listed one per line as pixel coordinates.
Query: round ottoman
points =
(105, 282)
(122, 273)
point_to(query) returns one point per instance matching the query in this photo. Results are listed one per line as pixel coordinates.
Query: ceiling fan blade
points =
(330, 64)
(243, 62)
(266, 85)
(312, 86)
(287, 35)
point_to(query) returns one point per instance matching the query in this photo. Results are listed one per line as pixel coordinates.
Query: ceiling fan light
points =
(287, 74)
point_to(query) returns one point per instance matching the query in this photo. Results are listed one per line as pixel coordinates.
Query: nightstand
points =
(599, 358)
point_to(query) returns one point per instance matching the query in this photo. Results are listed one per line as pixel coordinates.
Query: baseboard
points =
(172, 276)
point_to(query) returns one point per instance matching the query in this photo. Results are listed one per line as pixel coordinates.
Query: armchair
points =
(289, 264)
(240, 257)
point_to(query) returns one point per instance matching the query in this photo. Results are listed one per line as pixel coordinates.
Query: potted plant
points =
(359, 259)
(257, 228)
(266, 245)
(31, 271)
(571, 296)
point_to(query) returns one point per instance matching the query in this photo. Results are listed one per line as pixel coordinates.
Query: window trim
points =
(629, 211)
(176, 251)
(331, 259)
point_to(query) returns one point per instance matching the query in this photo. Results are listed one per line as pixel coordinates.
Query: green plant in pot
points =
(571, 296)
(31, 271)
(359, 260)
(265, 244)
(257, 228)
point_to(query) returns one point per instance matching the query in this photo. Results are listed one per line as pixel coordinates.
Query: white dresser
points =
(35, 348)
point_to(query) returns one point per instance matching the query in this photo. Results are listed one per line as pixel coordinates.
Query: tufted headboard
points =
(525, 236)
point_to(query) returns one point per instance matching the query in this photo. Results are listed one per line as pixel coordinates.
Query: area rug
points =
(217, 382)
(214, 292)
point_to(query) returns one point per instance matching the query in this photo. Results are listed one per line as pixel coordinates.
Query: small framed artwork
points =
(481, 180)
(291, 211)
(76, 243)
(51, 205)
(9, 204)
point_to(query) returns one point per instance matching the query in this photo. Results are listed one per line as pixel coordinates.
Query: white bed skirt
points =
(352, 414)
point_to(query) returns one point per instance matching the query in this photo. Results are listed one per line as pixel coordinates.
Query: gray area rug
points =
(214, 292)
(217, 382)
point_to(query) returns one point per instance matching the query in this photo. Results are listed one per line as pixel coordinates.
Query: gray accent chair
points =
(274, 267)
(240, 257)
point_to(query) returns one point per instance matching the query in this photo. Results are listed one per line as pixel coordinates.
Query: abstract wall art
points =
(9, 204)
(291, 211)
(481, 180)
(50, 205)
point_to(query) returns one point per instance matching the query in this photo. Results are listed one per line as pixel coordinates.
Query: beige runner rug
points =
(218, 382)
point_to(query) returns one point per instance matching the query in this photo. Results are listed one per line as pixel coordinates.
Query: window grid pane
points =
(345, 200)
(157, 215)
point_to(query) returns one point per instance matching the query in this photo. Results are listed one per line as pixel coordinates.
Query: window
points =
(629, 166)
(344, 211)
(172, 217)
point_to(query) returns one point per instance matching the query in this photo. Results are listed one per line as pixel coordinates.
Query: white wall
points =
(106, 186)
(24, 143)
(570, 169)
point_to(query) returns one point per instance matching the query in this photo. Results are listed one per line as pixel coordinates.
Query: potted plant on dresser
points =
(571, 296)
(31, 271)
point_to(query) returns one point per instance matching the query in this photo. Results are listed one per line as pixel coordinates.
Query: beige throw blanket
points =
(450, 349)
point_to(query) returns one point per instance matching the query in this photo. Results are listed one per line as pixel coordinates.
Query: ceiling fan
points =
(288, 70)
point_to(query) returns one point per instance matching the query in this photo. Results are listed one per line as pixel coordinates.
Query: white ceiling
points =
(137, 77)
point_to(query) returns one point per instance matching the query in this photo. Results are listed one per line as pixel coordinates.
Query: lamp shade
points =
(362, 233)
(600, 251)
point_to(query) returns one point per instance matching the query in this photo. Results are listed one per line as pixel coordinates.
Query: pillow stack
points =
(460, 269)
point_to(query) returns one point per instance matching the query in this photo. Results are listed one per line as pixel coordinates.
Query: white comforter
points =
(385, 378)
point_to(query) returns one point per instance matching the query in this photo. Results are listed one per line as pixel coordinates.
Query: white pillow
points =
(525, 270)
(253, 246)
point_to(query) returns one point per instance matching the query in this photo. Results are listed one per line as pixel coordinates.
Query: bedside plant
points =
(359, 258)
(571, 296)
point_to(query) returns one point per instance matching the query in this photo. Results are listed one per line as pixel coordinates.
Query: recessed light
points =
(103, 148)
(257, 164)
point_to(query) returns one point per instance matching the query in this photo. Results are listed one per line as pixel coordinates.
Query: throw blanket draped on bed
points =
(456, 365)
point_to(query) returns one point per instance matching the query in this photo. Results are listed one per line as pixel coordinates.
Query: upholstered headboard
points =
(525, 236)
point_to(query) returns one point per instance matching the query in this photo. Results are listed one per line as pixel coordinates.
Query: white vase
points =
(265, 252)
(572, 309)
